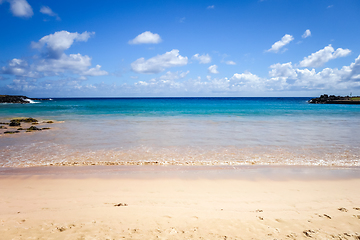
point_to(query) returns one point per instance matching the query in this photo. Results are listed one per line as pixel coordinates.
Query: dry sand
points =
(131, 207)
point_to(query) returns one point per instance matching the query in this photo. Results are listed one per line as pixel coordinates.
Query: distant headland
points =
(332, 99)
(17, 99)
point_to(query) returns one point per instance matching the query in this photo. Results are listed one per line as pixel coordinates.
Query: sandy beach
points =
(60, 203)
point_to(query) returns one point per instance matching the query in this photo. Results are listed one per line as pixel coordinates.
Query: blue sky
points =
(135, 48)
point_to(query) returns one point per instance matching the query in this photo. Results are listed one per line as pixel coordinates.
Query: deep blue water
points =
(71, 108)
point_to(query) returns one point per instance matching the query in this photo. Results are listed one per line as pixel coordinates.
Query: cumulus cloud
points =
(322, 56)
(306, 34)
(159, 63)
(309, 79)
(47, 11)
(286, 39)
(283, 70)
(211, 7)
(55, 61)
(74, 63)
(205, 58)
(213, 69)
(20, 8)
(230, 62)
(146, 38)
(60, 41)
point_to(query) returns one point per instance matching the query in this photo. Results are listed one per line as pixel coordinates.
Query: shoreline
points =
(215, 172)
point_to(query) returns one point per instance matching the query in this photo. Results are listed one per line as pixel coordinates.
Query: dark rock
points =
(45, 128)
(11, 132)
(332, 99)
(32, 128)
(2, 127)
(13, 99)
(17, 99)
(27, 120)
(14, 124)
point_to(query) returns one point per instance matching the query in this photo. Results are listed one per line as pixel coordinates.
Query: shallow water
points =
(185, 131)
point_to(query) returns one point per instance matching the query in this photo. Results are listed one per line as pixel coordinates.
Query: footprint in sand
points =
(342, 209)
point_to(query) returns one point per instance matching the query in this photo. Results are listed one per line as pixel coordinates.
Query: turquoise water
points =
(283, 131)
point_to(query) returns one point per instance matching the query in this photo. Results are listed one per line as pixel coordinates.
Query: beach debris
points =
(120, 205)
(325, 215)
(308, 233)
(342, 209)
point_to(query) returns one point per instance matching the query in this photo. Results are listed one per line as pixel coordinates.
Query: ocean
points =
(183, 131)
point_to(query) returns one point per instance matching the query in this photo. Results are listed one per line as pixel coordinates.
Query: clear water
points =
(192, 131)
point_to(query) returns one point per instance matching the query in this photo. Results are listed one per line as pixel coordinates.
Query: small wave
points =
(30, 101)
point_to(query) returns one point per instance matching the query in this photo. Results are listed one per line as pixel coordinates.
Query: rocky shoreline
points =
(14, 126)
(17, 99)
(332, 99)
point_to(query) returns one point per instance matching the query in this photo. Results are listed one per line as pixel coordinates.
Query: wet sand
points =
(179, 203)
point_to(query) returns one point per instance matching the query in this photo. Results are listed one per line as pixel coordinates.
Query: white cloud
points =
(46, 10)
(283, 70)
(306, 34)
(19, 67)
(96, 71)
(324, 55)
(230, 62)
(20, 8)
(56, 61)
(60, 41)
(146, 38)
(159, 63)
(286, 39)
(211, 7)
(202, 58)
(73, 63)
(309, 79)
(213, 69)
(174, 75)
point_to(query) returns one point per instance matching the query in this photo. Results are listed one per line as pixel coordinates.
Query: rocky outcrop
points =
(332, 99)
(16, 122)
(16, 99)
